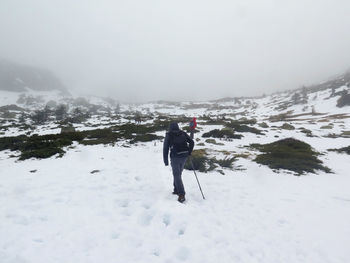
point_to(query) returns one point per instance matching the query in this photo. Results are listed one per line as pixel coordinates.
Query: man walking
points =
(181, 146)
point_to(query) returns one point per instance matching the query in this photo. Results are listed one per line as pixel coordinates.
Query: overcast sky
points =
(181, 49)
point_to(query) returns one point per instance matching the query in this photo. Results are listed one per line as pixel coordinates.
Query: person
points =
(181, 146)
(193, 125)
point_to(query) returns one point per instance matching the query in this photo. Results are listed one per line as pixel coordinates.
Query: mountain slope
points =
(18, 78)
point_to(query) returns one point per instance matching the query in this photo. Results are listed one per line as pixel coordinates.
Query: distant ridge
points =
(331, 83)
(17, 78)
(335, 82)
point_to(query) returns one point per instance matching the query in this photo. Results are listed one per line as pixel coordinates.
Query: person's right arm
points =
(166, 149)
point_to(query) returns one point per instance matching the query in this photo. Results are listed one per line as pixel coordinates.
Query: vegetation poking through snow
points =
(287, 126)
(213, 141)
(225, 133)
(241, 126)
(289, 154)
(200, 161)
(307, 132)
(45, 146)
(227, 162)
(341, 150)
(203, 162)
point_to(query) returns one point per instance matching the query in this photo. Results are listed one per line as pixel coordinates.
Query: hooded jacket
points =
(179, 143)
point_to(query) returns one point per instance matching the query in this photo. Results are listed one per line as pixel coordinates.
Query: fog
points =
(179, 50)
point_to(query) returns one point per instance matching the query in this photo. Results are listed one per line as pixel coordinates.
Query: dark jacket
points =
(179, 143)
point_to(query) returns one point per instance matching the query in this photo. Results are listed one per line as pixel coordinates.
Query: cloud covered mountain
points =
(19, 78)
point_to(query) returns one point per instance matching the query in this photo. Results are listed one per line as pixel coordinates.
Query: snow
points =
(126, 213)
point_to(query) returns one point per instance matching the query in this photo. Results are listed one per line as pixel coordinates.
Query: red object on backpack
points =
(193, 123)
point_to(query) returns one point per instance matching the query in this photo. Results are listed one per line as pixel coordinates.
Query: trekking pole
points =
(196, 177)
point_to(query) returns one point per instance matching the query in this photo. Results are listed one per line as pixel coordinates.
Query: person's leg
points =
(175, 190)
(176, 164)
(183, 162)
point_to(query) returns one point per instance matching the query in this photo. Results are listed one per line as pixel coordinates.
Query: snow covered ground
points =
(114, 203)
(126, 213)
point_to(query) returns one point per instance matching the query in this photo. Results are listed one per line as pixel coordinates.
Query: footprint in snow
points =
(18, 220)
(166, 220)
(145, 219)
(122, 203)
(115, 235)
(181, 232)
(146, 206)
(156, 253)
(183, 253)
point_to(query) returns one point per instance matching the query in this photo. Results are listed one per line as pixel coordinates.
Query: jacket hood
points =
(174, 127)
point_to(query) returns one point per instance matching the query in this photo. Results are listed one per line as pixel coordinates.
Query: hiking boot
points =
(181, 198)
(175, 193)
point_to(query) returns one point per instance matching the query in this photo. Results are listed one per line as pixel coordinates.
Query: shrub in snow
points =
(8, 115)
(341, 150)
(67, 128)
(240, 127)
(263, 125)
(344, 100)
(329, 126)
(213, 141)
(287, 126)
(204, 163)
(45, 146)
(61, 112)
(223, 133)
(290, 154)
(227, 162)
(306, 131)
(200, 161)
(40, 116)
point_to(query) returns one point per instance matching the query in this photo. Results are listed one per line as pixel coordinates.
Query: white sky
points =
(193, 49)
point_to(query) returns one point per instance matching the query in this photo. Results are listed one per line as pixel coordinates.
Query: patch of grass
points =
(287, 126)
(223, 133)
(289, 154)
(35, 146)
(243, 155)
(213, 121)
(227, 162)
(263, 125)
(327, 127)
(145, 138)
(203, 163)
(307, 132)
(240, 126)
(332, 136)
(213, 141)
(199, 159)
(341, 150)
(45, 146)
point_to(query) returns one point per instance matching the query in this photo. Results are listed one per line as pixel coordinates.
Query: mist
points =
(179, 50)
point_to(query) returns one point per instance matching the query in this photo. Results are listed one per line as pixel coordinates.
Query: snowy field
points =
(114, 204)
(126, 213)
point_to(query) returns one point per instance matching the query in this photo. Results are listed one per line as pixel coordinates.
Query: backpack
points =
(178, 143)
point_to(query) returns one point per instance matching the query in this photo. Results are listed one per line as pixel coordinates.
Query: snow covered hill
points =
(111, 201)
